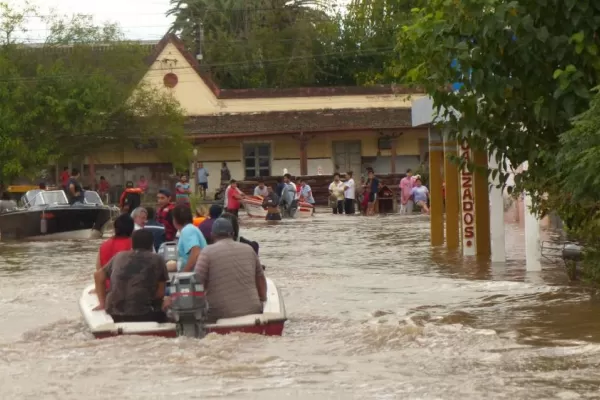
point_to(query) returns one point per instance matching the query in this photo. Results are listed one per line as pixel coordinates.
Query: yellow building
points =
(261, 132)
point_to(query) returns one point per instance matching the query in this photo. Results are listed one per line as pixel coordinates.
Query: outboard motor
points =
(168, 251)
(189, 308)
(572, 255)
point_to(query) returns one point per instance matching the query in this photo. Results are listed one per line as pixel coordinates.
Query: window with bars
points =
(257, 160)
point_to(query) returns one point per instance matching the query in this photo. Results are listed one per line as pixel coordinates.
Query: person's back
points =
(232, 268)
(137, 280)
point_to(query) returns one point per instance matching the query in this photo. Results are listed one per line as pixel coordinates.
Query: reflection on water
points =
(374, 313)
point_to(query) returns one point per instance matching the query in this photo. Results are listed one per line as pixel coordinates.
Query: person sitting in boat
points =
(205, 227)
(236, 232)
(200, 216)
(232, 275)
(271, 204)
(74, 189)
(138, 279)
(158, 231)
(191, 241)
(261, 190)
(164, 213)
(120, 241)
(131, 198)
(140, 216)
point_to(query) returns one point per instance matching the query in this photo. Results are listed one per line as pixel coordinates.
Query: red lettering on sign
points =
(467, 206)
(468, 219)
(467, 195)
(467, 180)
(469, 232)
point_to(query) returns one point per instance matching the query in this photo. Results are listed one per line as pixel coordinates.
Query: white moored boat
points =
(254, 208)
(189, 314)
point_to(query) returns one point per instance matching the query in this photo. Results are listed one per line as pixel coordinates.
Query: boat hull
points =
(254, 208)
(270, 323)
(59, 222)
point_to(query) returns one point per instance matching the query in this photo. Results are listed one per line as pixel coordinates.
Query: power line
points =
(199, 12)
(157, 38)
(225, 66)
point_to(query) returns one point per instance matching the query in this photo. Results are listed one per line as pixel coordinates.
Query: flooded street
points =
(374, 313)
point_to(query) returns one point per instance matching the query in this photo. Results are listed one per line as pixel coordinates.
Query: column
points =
(193, 179)
(303, 141)
(467, 200)
(393, 142)
(482, 208)
(436, 156)
(533, 251)
(496, 212)
(452, 196)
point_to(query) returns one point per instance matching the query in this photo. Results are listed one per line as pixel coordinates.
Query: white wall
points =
(293, 166)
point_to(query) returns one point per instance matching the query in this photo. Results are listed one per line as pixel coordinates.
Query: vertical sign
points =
(467, 201)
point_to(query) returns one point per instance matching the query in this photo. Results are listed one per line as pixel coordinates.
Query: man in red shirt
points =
(64, 177)
(234, 195)
(164, 214)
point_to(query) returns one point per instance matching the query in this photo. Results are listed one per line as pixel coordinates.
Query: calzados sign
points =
(467, 201)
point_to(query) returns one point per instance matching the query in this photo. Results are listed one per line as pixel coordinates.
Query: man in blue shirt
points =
(202, 179)
(191, 241)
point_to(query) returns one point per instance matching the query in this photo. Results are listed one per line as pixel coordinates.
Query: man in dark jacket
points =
(158, 231)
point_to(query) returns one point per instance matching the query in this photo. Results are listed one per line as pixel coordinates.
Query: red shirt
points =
(232, 202)
(64, 177)
(111, 247)
(103, 186)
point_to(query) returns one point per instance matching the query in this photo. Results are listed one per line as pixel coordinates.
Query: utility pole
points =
(199, 31)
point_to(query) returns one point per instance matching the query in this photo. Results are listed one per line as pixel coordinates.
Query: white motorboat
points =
(189, 315)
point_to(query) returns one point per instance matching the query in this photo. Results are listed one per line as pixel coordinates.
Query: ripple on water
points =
(374, 313)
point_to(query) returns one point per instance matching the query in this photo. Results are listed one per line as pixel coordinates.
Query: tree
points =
(78, 94)
(367, 39)
(527, 69)
(258, 43)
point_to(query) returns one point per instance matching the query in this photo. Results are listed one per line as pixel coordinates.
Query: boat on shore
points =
(47, 215)
(189, 316)
(254, 208)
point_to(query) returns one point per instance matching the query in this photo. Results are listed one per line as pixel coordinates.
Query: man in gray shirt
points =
(202, 177)
(232, 275)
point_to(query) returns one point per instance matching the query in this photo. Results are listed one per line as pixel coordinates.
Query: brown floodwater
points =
(374, 313)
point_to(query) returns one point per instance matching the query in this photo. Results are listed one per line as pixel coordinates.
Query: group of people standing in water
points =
(344, 196)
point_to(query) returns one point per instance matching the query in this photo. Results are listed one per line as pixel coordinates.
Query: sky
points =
(139, 19)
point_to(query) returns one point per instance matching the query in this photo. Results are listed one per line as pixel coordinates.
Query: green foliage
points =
(528, 69)
(65, 101)
(258, 43)
(367, 40)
